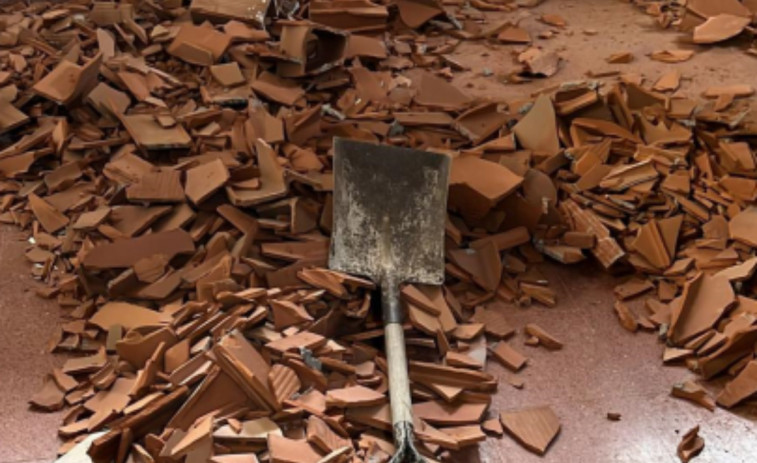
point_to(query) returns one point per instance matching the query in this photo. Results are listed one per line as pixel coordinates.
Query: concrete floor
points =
(601, 369)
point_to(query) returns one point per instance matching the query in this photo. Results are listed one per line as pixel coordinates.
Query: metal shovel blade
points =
(389, 212)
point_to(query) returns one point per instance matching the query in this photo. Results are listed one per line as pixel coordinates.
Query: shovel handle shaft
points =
(399, 383)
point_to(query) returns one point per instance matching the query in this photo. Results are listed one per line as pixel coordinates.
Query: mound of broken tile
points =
(173, 167)
(705, 21)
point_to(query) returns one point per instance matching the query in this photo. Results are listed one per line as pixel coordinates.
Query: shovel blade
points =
(390, 209)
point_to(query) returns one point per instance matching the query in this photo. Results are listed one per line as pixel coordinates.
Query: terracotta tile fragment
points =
(200, 45)
(672, 56)
(50, 218)
(509, 357)
(225, 10)
(719, 28)
(354, 396)
(621, 57)
(69, 82)
(514, 34)
(703, 302)
(493, 426)
(320, 435)
(534, 428)
(227, 74)
(126, 253)
(545, 339)
(691, 445)
(740, 388)
(283, 450)
(494, 323)
(150, 135)
(626, 317)
(50, 398)
(204, 180)
(693, 392)
(441, 413)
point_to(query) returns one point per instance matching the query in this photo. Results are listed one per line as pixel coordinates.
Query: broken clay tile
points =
(672, 56)
(10, 116)
(481, 181)
(622, 57)
(707, 9)
(509, 357)
(668, 82)
(157, 186)
(693, 392)
(514, 34)
(201, 45)
(465, 435)
(545, 339)
(322, 436)
(150, 135)
(366, 47)
(272, 184)
(227, 74)
(690, 446)
(415, 13)
(483, 264)
(632, 288)
(738, 90)
(309, 48)
(674, 354)
(435, 92)
(719, 28)
(494, 322)
(204, 180)
(493, 426)
(705, 299)
(255, 431)
(537, 130)
(284, 450)
(743, 227)
(277, 89)
(49, 217)
(50, 398)
(740, 388)
(224, 10)
(534, 428)
(354, 396)
(441, 413)
(468, 332)
(480, 122)
(539, 62)
(125, 253)
(69, 82)
(128, 316)
(358, 16)
(626, 317)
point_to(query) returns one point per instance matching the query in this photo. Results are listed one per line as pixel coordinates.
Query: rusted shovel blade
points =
(389, 212)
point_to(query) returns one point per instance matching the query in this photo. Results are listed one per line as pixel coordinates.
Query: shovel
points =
(389, 215)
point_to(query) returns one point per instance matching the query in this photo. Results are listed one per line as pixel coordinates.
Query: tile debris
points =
(173, 167)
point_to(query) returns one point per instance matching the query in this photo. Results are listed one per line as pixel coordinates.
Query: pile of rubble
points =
(705, 21)
(173, 166)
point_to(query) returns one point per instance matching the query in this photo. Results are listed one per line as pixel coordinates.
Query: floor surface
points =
(601, 369)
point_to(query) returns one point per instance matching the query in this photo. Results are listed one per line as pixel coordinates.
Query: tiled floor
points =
(602, 368)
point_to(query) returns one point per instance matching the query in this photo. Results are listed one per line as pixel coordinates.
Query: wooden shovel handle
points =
(399, 384)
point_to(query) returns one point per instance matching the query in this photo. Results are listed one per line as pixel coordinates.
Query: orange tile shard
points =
(534, 428)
